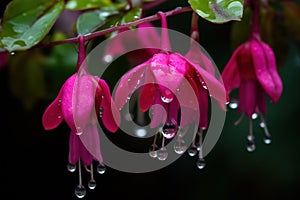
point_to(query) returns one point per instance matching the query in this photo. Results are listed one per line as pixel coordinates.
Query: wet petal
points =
(230, 74)
(128, 83)
(266, 70)
(111, 116)
(52, 116)
(248, 97)
(74, 148)
(90, 140)
(159, 112)
(147, 97)
(148, 37)
(203, 100)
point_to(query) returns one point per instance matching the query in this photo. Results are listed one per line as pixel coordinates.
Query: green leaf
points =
(26, 23)
(89, 21)
(132, 15)
(218, 11)
(27, 77)
(107, 5)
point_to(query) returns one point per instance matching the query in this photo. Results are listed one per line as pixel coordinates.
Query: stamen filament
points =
(79, 172)
(239, 119)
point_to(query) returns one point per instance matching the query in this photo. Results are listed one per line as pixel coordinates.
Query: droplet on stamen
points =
(201, 163)
(80, 191)
(267, 140)
(92, 184)
(233, 105)
(12, 53)
(162, 154)
(251, 146)
(254, 116)
(192, 151)
(153, 151)
(180, 146)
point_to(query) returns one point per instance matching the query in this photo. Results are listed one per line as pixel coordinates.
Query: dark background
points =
(33, 161)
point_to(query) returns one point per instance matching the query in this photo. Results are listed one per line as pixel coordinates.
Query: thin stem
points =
(130, 4)
(90, 36)
(79, 170)
(200, 135)
(255, 26)
(92, 172)
(267, 133)
(194, 26)
(239, 119)
(81, 54)
(164, 41)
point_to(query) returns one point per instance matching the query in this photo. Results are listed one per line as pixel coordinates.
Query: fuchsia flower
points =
(79, 100)
(3, 59)
(252, 69)
(171, 82)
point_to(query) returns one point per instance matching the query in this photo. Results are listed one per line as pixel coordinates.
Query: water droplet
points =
(233, 105)
(250, 146)
(162, 154)
(80, 191)
(250, 137)
(198, 147)
(128, 98)
(267, 140)
(179, 146)
(254, 116)
(108, 58)
(169, 130)
(153, 151)
(71, 167)
(79, 131)
(100, 112)
(12, 53)
(178, 89)
(201, 163)
(129, 80)
(101, 168)
(262, 124)
(166, 99)
(192, 151)
(92, 184)
(59, 117)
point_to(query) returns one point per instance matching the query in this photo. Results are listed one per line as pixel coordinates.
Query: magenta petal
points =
(159, 112)
(168, 70)
(3, 59)
(261, 100)
(128, 84)
(147, 97)
(91, 145)
(173, 108)
(215, 87)
(230, 74)
(266, 70)
(203, 100)
(248, 97)
(111, 115)
(52, 116)
(148, 37)
(74, 148)
(198, 56)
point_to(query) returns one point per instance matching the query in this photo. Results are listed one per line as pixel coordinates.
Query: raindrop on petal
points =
(169, 130)
(166, 99)
(108, 58)
(100, 112)
(101, 168)
(71, 167)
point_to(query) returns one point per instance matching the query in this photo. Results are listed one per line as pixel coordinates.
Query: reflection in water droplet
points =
(101, 168)
(267, 140)
(201, 163)
(162, 154)
(192, 151)
(12, 53)
(254, 116)
(92, 184)
(153, 151)
(169, 130)
(100, 112)
(262, 124)
(233, 105)
(166, 99)
(250, 146)
(80, 191)
(71, 167)
(179, 146)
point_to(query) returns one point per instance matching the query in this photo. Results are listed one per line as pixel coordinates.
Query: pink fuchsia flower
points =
(81, 100)
(252, 68)
(170, 82)
(144, 35)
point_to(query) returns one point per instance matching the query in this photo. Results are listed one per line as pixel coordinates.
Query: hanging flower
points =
(172, 82)
(81, 100)
(252, 69)
(3, 59)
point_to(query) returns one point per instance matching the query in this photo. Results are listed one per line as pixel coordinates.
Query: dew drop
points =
(153, 151)
(71, 167)
(12, 53)
(254, 116)
(166, 99)
(192, 151)
(92, 184)
(80, 191)
(180, 147)
(250, 146)
(169, 130)
(233, 105)
(201, 163)
(162, 154)
(267, 140)
(178, 89)
(108, 58)
(101, 168)
(129, 79)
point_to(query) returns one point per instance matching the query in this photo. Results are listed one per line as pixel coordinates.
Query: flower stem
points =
(255, 26)
(164, 41)
(93, 35)
(81, 63)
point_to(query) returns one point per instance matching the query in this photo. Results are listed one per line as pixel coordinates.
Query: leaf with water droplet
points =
(105, 5)
(26, 23)
(89, 21)
(218, 11)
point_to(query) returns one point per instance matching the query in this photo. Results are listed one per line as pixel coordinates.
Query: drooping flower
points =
(3, 59)
(81, 100)
(252, 68)
(171, 84)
